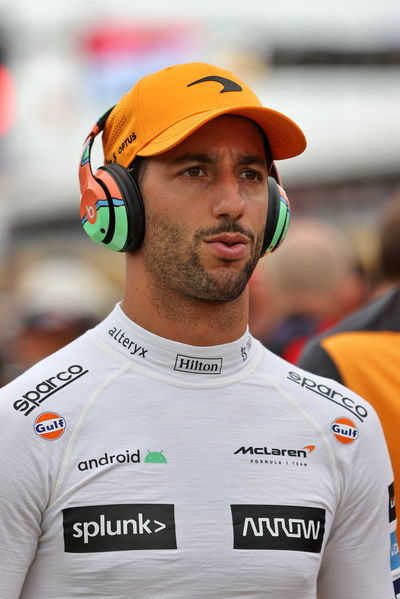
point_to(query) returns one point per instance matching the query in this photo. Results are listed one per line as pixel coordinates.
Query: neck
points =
(180, 317)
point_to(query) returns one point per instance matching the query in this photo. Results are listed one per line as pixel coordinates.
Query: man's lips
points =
(228, 246)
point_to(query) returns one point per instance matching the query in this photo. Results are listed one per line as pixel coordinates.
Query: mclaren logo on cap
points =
(228, 84)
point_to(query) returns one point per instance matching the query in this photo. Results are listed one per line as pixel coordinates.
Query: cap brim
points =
(285, 137)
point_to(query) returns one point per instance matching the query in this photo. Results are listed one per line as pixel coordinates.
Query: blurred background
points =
(333, 67)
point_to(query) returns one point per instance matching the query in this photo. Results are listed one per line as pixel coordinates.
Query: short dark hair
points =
(137, 168)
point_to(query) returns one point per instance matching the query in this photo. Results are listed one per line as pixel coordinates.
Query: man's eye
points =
(251, 175)
(193, 171)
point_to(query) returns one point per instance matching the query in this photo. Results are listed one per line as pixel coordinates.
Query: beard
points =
(174, 262)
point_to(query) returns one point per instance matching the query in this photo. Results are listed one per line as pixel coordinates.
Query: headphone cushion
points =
(278, 217)
(129, 217)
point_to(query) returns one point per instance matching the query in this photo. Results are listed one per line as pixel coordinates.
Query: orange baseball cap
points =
(165, 107)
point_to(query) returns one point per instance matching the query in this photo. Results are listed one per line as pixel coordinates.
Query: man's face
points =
(205, 203)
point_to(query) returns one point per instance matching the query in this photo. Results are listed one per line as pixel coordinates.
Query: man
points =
(363, 351)
(166, 453)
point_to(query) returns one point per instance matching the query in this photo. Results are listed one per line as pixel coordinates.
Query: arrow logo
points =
(228, 84)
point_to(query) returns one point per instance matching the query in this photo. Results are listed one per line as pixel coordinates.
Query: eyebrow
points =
(250, 159)
(245, 159)
(192, 157)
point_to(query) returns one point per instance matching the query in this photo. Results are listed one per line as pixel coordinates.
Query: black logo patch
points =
(228, 84)
(392, 503)
(278, 527)
(121, 527)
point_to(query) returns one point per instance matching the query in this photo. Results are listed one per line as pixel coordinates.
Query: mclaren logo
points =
(276, 456)
(275, 451)
(228, 84)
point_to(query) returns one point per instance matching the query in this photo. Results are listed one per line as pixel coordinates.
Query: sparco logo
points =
(336, 397)
(278, 527)
(43, 390)
(199, 365)
(121, 527)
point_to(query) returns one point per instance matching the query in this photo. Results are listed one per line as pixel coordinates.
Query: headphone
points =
(112, 211)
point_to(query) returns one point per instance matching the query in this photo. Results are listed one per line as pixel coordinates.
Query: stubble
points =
(174, 263)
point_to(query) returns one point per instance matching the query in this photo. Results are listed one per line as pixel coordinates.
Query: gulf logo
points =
(344, 430)
(49, 425)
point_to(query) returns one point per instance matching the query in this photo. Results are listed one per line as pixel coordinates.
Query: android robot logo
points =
(155, 457)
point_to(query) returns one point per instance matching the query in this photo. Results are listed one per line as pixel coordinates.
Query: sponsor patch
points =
(394, 552)
(121, 527)
(45, 389)
(49, 425)
(245, 349)
(358, 410)
(155, 457)
(129, 344)
(344, 430)
(276, 456)
(278, 527)
(276, 451)
(198, 365)
(126, 457)
(392, 503)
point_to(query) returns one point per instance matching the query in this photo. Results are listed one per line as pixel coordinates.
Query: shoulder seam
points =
(316, 426)
(71, 443)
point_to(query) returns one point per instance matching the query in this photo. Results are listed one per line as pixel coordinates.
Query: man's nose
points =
(228, 201)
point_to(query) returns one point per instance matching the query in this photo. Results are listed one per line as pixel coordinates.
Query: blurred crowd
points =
(317, 278)
(51, 301)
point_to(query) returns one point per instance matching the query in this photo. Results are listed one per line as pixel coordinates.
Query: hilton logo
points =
(199, 365)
